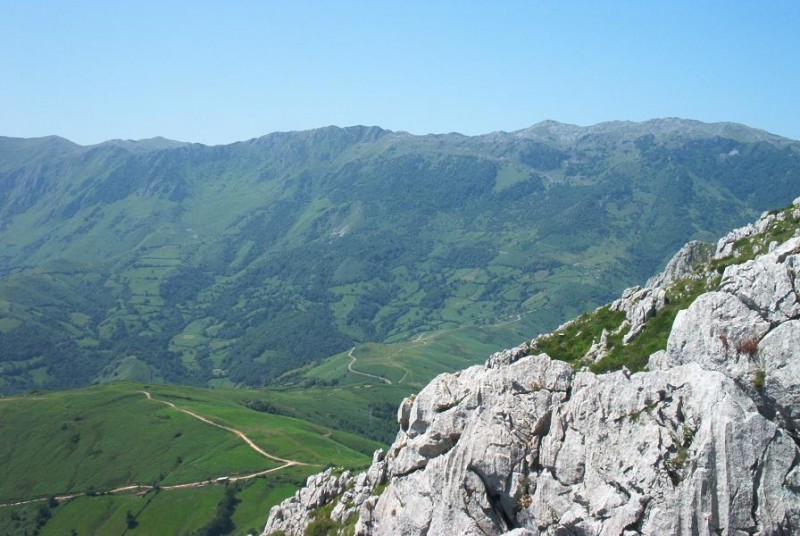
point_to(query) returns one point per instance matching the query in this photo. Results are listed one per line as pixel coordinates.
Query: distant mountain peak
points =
(37, 143)
(548, 131)
(157, 143)
(663, 129)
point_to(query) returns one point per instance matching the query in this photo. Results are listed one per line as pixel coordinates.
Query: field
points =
(179, 453)
(413, 363)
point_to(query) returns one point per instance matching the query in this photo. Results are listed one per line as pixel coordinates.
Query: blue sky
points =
(218, 72)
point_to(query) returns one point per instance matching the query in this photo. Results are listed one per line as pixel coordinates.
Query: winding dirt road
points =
(365, 374)
(238, 433)
(200, 483)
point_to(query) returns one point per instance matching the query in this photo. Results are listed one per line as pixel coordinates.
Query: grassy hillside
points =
(92, 442)
(181, 512)
(154, 261)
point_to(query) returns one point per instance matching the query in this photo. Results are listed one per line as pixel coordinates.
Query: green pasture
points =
(101, 438)
(178, 513)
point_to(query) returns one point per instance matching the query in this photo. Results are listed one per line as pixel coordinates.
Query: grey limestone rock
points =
(641, 304)
(679, 451)
(292, 516)
(747, 329)
(441, 484)
(768, 283)
(506, 357)
(725, 246)
(780, 370)
(683, 264)
(713, 331)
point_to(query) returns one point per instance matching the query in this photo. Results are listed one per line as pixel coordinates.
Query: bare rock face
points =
(777, 354)
(641, 304)
(682, 451)
(726, 244)
(748, 331)
(443, 484)
(292, 516)
(706, 442)
(662, 453)
(714, 331)
(683, 264)
(768, 284)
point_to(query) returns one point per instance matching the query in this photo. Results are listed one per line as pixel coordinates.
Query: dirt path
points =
(392, 359)
(200, 483)
(145, 488)
(350, 368)
(210, 481)
(10, 398)
(424, 339)
(241, 435)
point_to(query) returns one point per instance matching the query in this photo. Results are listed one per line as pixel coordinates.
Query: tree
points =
(130, 520)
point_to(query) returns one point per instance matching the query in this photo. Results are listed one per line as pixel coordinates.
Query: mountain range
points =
(232, 265)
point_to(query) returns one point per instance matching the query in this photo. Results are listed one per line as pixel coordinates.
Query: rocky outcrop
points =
(440, 481)
(641, 304)
(684, 264)
(704, 442)
(349, 492)
(294, 514)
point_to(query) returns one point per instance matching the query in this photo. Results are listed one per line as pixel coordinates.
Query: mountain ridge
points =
(204, 264)
(660, 126)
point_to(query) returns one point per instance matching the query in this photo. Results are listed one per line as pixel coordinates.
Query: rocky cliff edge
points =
(704, 440)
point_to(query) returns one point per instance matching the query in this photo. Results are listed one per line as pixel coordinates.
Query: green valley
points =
(250, 263)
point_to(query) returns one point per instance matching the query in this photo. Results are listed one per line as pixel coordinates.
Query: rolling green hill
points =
(235, 265)
(107, 453)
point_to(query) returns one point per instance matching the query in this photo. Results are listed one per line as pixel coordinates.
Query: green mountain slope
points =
(105, 451)
(230, 265)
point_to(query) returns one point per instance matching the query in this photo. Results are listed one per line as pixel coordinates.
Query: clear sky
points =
(218, 72)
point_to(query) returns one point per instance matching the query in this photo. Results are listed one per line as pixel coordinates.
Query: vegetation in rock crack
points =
(759, 379)
(746, 249)
(654, 336)
(747, 346)
(571, 343)
(322, 524)
(682, 447)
